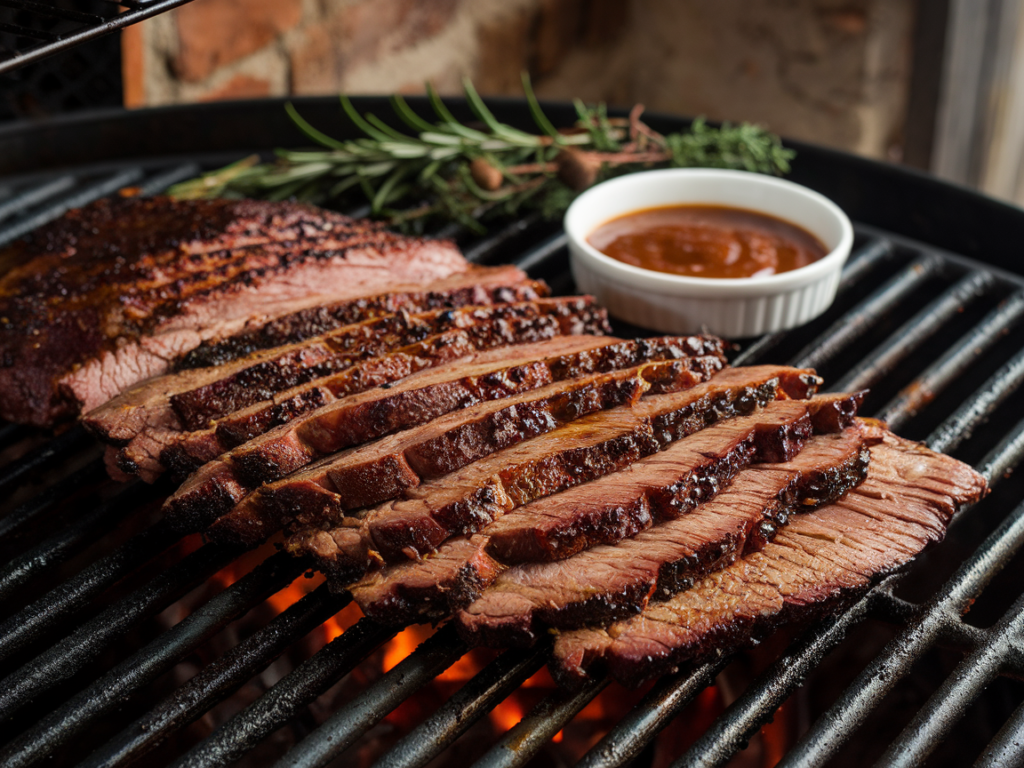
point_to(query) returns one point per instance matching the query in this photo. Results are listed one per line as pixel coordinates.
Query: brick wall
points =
(830, 71)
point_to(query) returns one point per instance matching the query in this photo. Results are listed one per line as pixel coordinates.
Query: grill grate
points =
(31, 30)
(903, 307)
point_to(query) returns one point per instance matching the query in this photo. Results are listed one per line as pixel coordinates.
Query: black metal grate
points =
(31, 30)
(937, 337)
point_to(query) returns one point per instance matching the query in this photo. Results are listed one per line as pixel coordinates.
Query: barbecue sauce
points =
(707, 241)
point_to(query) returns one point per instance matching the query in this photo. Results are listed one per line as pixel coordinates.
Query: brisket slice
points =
(504, 284)
(465, 501)
(815, 565)
(337, 350)
(608, 582)
(471, 377)
(110, 294)
(322, 494)
(160, 447)
(327, 431)
(661, 487)
(190, 399)
(334, 373)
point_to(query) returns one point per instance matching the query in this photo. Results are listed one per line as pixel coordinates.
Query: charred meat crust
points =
(819, 561)
(158, 425)
(100, 296)
(262, 458)
(668, 485)
(339, 349)
(597, 445)
(469, 289)
(382, 471)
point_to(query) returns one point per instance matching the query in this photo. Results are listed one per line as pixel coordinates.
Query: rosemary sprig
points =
(469, 174)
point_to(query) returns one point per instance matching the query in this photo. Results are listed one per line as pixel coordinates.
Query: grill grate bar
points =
(35, 195)
(64, 601)
(74, 439)
(71, 538)
(639, 727)
(542, 252)
(949, 435)
(106, 186)
(861, 263)
(67, 657)
(862, 318)
(1006, 749)
(107, 693)
(539, 726)
(475, 699)
(161, 181)
(831, 730)
(220, 679)
(43, 502)
(730, 731)
(1003, 458)
(137, 12)
(482, 248)
(912, 398)
(956, 636)
(344, 727)
(918, 329)
(293, 692)
(933, 722)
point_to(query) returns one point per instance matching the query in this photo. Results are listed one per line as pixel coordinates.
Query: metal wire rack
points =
(939, 339)
(31, 30)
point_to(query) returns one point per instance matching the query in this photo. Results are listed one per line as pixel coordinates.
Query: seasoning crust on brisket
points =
(503, 284)
(326, 491)
(110, 294)
(466, 500)
(149, 417)
(676, 483)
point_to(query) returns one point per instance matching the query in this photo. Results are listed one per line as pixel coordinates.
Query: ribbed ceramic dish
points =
(736, 307)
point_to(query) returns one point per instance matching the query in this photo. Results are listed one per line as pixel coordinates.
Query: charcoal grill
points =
(930, 316)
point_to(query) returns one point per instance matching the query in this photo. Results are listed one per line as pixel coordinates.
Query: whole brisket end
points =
(110, 294)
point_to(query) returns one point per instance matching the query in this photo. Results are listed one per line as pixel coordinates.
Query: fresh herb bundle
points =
(452, 171)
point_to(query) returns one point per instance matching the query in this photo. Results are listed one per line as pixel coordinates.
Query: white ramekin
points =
(728, 307)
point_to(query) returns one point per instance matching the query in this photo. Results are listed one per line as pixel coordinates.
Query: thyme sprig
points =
(446, 169)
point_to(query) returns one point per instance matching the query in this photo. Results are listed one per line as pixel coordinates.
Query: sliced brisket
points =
(323, 493)
(191, 400)
(608, 583)
(111, 294)
(466, 500)
(816, 564)
(477, 287)
(327, 431)
(661, 487)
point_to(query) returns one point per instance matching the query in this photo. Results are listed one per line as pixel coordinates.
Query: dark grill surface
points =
(31, 30)
(935, 336)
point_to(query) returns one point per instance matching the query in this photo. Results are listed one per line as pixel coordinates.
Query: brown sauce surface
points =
(707, 241)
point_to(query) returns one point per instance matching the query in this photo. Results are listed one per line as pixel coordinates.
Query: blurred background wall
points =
(831, 71)
(935, 84)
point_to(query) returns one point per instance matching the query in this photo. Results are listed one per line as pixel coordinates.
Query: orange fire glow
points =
(586, 729)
